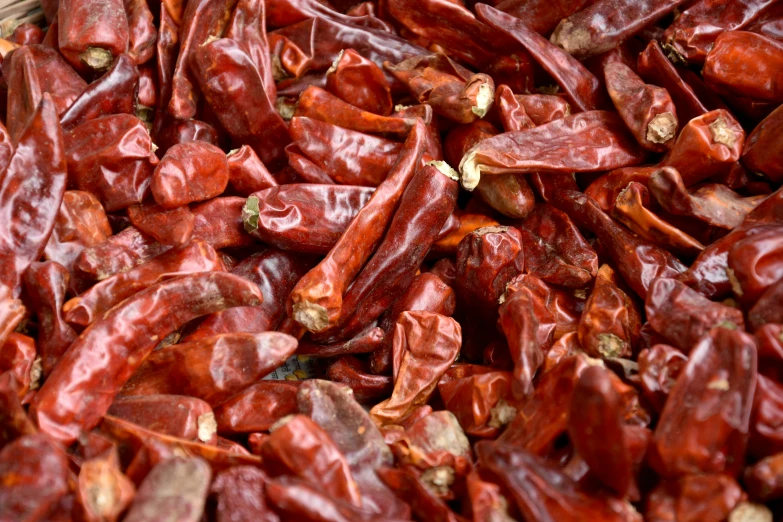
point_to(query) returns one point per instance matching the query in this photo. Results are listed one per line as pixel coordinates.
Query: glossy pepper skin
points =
(92, 34)
(60, 414)
(360, 82)
(762, 152)
(728, 70)
(249, 117)
(32, 188)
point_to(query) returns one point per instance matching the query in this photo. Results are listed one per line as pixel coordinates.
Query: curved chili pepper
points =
(58, 405)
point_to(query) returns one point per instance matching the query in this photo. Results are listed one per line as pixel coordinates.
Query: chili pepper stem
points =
(207, 426)
(445, 169)
(484, 100)
(312, 316)
(97, 58)
(471, 172)
(662, 128)
(721, 133)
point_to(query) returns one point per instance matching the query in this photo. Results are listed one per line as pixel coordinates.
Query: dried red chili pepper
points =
(179, 416)
(541, 490)
(173, 227)
(332, 407)
(117, 253)
(638, 270)
(655, 68)
(14, 422)
(647, 110)
(659, 367)
(288, 12)
(428, 200)
(630, 208)
(166, 49)
(189, 172)
(596, 416)
(46, 285)
(610, 323)
(248, 116)
(360, 82)
(599, 136)
(762, 152)
(427, 292)
(248, 28)
(704, 425)
(353, 372)
(142, 34)
(112, 93)
(512, 113)
(582, 89)
(750, 73)
(607, 23)
(102, 491)
(178, 485)
(219, 222)
(237, 491)
(99, 299)
(693, 33)
(111, 157)
(257, 407)
(317, 298)
(27, 34)
(424, 502)
(451, 90)
(542, 16)
(425, 345)
(754, 264)
(61, 414)
(246, 172)
(481, 402)
(347, 157)
(300, 448)
(555, 250)
(19, 358)
(35, 471)
(460, 34)
(31, 189)
(694, 497)
(92, 34)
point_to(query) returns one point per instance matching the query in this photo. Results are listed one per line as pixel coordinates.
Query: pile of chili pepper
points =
(521, 260)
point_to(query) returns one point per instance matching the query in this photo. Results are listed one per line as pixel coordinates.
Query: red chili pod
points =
(219, 222)
(36, 470)
(347, 157)
(704, 425)
(248, 28)
(247, 115)
(173, 227)
(425, 345)
(694, 32)
(141, 31)
(112, 93)
(201, 19)
(100, 298)
(584, 91)
(656, 69)
(111, 157)
(81, 223)
(246, 173)
(117, 253)
(299, 447)
(316, 301)
(18, 357)
(31, 191)
(763, 152)
(176, 415)
(166, 49)
(14, 420)
(189, 172)
(659, 368)
(303, 217)
(683, 316)
(694, 497)
(237, 490)
(319, 104)
(135, 334)
(647, 110)
(599, 136)
(92, 34)
(541, 15)
(257, 408)
(102, 491)
(607, 23)
(46, 285)
(360, 82)
(353, 372)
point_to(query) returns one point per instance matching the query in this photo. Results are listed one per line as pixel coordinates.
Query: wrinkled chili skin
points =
(173, 415)
(659, 367)
(86, 27)
(711, 432)
(607, 23)
(763, 152)
(249, 117)
(60, 414)
(189, 172)
(114, 93)
(360, 82)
